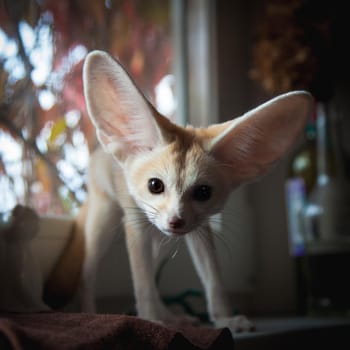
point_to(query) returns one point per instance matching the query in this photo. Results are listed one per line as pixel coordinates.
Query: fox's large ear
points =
(124, 120)
(250, 145)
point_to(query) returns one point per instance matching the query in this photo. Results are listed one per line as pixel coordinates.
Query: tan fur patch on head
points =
(180, 164)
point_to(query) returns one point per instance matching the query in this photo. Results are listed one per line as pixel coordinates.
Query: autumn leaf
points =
(58, 129)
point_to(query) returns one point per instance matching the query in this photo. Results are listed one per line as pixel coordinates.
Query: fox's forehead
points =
(190, 165)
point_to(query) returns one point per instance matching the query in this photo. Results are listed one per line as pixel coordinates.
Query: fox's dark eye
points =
(155, 185)
(202, 193)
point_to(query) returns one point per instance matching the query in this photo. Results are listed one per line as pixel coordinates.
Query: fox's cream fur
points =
(160, 179)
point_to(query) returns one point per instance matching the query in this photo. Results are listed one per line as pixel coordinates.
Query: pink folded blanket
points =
(60, 330)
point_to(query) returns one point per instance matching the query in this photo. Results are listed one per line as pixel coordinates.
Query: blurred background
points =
(284, 242)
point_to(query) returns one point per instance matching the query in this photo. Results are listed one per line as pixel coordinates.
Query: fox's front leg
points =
(202, 250)
(140, 243)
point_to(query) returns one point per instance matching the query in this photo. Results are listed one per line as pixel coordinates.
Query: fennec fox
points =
(164, 179)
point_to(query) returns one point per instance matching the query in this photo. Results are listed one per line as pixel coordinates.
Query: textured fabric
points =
(60, 330)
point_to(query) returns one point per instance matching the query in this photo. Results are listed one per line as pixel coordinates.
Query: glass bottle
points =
(301, 179)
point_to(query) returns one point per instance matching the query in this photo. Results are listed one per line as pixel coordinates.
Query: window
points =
(45, 133)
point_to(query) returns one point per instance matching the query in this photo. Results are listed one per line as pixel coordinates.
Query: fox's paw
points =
(236, 324)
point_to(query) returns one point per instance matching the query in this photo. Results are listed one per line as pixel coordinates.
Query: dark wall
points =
(236, 22)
